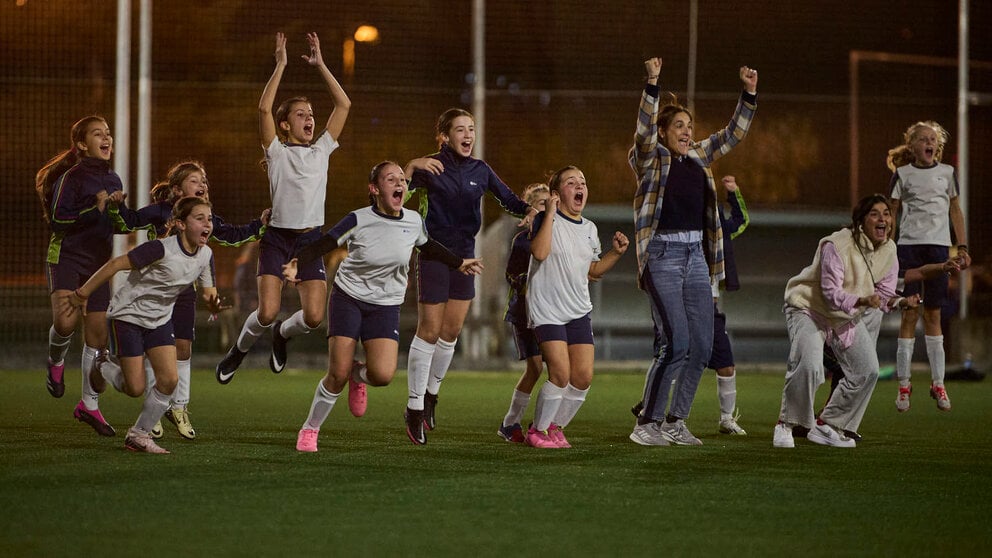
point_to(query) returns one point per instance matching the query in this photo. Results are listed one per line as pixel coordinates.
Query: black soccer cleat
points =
(415, 426)
(277, 361)
(430, 403)
(229, 365)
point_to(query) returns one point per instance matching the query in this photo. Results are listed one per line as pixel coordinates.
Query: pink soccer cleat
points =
(93, 418)
(306, 440)
(540, 439)
(358, 393)
(55, 381)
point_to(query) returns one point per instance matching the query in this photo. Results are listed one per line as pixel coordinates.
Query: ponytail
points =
(45, 179)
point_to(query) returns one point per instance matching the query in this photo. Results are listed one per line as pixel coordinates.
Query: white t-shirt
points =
(161, 270)
(298, 181)
(924, 196)
(558, 287)
(379, 249)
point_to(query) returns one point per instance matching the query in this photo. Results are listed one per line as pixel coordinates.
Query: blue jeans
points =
(678, 284)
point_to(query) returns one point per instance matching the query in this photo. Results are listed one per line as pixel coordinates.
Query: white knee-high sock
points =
(444, 351)
(726, 392)
(323, 402)
(294, 326)
(149, 376)
(548, 402)
(155, 405)
(180, 397)
(250, 332)
(418, 368)
(111, 371)
(518, 404)
(89, 396)
(935, 354)
(571, 401)
(57, 346)
(904, 359)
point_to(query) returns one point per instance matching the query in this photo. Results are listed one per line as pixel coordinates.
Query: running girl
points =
(140, 313)
(296, 158)
(565, 254)
(517, 264)
(74, 187)
(369, 288)
(186, 178)
(452, 183)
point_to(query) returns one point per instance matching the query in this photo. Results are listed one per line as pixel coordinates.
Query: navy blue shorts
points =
(278, 246)
(129, 340)
(933, 291)
(437, 283)
(722, 355)
(349, 317)
(184, 314)
(69, 276)
(526, 342)
(575, 332)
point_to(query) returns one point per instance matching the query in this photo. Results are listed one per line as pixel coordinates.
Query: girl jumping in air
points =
(565, 254)
(74, 187)
(140, 313)
(926, 192)
(369, 288)
(296, 156)
(451, 183)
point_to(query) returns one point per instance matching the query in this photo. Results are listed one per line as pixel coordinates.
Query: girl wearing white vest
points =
(833, 300)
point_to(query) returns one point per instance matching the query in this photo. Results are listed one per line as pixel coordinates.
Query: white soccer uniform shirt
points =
(161, 270)
(925, 197)
(379, 249)
(298, 181)
(558, 287)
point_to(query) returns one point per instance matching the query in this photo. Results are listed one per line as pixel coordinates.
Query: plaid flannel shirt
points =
(651, 161)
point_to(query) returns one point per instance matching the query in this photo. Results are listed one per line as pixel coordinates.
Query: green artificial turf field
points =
(917, 484)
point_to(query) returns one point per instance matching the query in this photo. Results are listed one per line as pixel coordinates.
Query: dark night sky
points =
(563, 78)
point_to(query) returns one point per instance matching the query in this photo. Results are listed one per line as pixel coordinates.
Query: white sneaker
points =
(827, 435)
(648, 435)
(940, 394)
(678, 434)
(136, 441)
(902, 399)
(728, 425)
(782, 437)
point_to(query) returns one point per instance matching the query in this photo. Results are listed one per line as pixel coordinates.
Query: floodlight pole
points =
(962, 163)
(144, 173)
(475, 346)
(122, 96)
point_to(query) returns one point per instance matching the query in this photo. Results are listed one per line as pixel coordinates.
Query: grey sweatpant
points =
(804, 373)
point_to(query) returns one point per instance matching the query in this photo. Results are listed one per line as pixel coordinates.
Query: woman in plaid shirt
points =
(679, 246)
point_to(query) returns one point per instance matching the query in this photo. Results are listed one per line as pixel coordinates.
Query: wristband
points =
(962, 247)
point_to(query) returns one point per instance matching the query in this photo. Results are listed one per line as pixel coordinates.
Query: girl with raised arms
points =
(296, 157)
